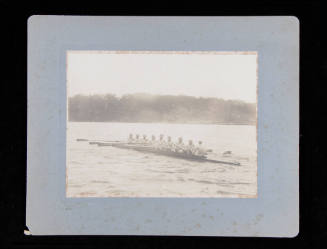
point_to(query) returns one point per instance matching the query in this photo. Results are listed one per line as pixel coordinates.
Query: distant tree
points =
(159, 108)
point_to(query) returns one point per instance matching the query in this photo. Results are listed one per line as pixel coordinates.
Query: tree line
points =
(159, 108)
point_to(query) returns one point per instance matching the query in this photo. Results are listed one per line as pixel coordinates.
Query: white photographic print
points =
(161, 124)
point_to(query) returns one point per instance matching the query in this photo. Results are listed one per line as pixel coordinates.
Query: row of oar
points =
(100, 142)
(113, 142)
(103, 142)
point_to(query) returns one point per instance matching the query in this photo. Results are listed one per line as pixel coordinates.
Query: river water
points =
(94, 171)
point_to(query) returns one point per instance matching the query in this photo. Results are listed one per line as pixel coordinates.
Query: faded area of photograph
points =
(161, 124)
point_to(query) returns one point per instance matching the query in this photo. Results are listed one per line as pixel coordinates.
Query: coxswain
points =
(227, 153)
(199, 150)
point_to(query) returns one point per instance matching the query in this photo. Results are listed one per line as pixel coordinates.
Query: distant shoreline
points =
(204, 123)
(146, 108)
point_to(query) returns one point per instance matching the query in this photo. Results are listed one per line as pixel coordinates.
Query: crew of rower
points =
(169, 145)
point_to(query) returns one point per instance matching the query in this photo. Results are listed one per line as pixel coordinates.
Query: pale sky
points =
(225, 75)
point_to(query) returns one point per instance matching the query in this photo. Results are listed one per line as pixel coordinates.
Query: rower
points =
(145, 140)
(180, 147)
(130, 138)
(137, 139)
(170, 145)
(161, 143)
(157, 143)
(190, 147)
(153, 140)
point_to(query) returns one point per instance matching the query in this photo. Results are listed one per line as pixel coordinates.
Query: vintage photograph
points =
(161, 124)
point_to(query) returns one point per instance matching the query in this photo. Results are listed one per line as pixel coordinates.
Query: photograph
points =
(161, 124)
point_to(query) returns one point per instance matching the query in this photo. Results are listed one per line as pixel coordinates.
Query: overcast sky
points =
(227, 76)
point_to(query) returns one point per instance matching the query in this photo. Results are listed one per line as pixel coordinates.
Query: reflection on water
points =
(94, 171)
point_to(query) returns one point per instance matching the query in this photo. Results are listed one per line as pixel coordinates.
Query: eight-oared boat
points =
(150, 149)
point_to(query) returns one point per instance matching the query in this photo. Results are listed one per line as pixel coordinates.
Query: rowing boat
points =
(150, 149)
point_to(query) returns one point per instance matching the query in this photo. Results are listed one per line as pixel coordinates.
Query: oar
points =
(95, 141)
(108, 144)
(224, 162)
